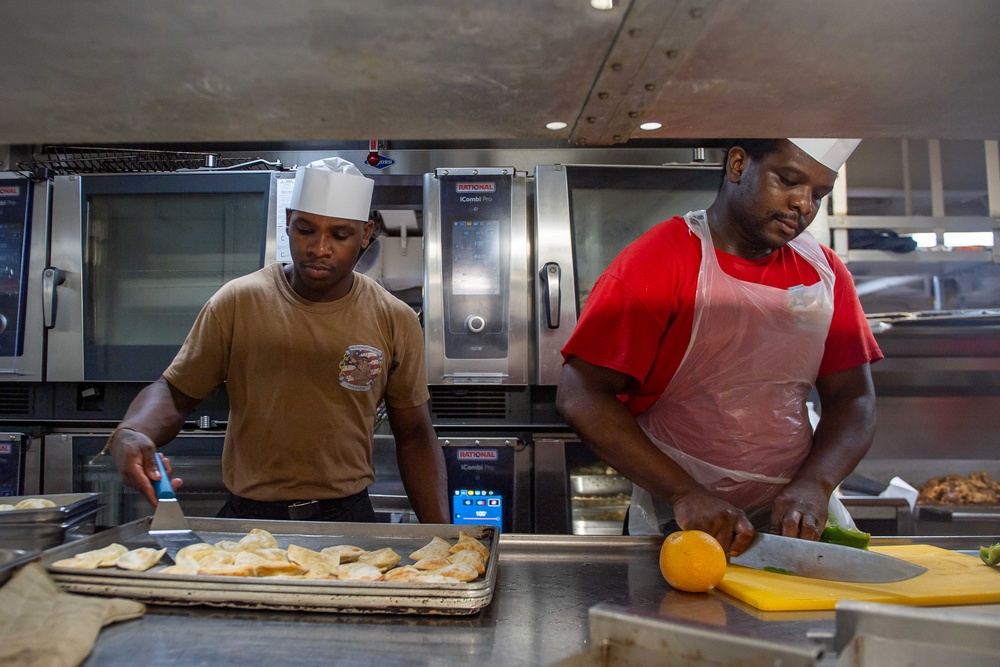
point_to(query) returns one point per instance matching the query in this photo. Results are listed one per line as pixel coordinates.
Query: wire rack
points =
(67, 160)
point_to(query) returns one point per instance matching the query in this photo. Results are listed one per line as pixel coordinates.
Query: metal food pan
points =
(39, 536)
(11, 559)
(68, 506)
(599, 485)
(600, 513)
(154, 587)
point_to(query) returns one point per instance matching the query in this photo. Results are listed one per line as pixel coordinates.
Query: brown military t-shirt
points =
(304, 381)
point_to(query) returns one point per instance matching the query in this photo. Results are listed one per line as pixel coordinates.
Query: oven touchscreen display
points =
(475, 257)
(477, 507)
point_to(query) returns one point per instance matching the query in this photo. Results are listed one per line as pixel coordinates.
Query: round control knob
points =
(475, 323)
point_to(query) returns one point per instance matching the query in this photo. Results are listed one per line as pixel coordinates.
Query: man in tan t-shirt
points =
(307, 351)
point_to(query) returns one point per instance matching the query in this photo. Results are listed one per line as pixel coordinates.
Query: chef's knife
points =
(819, 560)
(169, 527)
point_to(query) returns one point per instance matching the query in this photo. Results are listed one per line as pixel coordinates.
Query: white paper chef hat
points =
(333, 187)
(831, 153)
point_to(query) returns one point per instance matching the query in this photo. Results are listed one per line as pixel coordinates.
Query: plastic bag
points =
(838, 513)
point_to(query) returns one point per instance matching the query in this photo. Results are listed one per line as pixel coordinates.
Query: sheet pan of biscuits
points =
(305, 566)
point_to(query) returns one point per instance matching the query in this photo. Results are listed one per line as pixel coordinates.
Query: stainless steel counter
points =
(538, 616)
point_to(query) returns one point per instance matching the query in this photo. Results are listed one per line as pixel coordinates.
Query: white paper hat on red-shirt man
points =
(831, 153)
(333, 187)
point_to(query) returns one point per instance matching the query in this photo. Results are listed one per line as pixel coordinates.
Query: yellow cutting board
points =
(951, 579)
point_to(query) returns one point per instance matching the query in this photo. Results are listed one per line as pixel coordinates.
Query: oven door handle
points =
(551, 279)
(51, 278)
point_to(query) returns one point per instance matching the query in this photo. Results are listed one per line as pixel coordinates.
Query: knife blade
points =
(819, 560)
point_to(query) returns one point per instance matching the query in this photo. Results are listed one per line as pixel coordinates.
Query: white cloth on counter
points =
(43, 626)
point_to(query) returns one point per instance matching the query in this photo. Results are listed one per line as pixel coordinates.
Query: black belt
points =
(356, 507)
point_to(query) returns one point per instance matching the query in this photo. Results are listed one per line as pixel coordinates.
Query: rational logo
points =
(476, 187)
(478, 455)
(10, 191)
(6, 449)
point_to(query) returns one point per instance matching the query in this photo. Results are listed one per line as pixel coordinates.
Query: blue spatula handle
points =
(162, 486)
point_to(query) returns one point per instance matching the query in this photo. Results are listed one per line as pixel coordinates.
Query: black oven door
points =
(23, 244)
(140, 255)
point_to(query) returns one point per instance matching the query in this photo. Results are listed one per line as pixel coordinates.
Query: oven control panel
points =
(476, 297)
(481, 480)
(475, 247)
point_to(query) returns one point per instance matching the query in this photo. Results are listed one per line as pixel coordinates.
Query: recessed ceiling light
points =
(651, 126)
(556, 125)
(602, 4)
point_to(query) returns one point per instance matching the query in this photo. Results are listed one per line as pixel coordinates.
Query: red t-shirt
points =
(638, 317)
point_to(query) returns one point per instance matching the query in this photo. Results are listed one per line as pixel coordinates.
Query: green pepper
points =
(846, 537)
(990, 555)
(834, 533)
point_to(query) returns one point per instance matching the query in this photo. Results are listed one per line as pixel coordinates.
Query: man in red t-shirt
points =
(691, 363)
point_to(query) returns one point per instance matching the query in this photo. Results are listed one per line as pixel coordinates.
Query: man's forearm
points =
(844, 435)
(588, 399)
(846, 427)
(425, 479)
(159, 411)
(606, 426)
(421, 462)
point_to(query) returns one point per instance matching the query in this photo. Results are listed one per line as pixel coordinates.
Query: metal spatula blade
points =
(169, 528)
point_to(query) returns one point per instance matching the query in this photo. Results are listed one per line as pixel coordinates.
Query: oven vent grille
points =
(15, 400)
(469, 404)
(69, 160)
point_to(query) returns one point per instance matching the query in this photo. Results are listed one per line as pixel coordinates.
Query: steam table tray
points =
(38, 529)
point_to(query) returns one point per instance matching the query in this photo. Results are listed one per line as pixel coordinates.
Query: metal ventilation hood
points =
(186, 71)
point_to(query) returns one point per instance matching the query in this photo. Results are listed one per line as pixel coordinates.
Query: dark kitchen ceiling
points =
(120, 71)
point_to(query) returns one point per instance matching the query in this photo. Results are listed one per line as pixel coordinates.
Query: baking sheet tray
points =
(387, 597)
(68, 506)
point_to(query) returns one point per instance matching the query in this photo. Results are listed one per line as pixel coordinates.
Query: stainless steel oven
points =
(477, 333)
(24, 207)
(584, 216)
(501, 250)
(135, 256)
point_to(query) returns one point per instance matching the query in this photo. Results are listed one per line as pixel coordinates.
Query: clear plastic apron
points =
(734, 415)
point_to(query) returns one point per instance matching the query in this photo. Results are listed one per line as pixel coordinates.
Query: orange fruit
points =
(692, 561)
